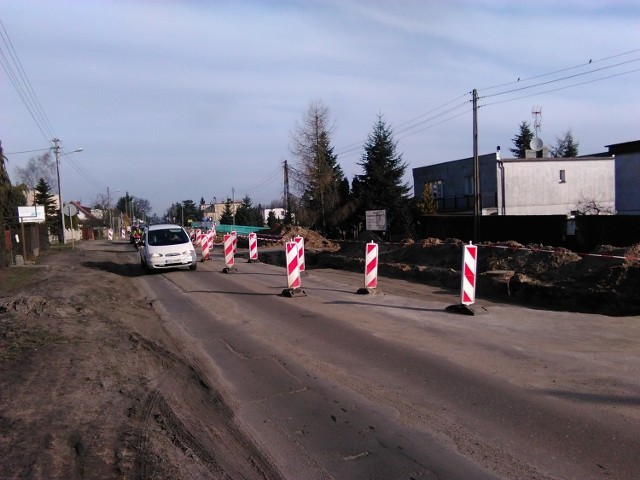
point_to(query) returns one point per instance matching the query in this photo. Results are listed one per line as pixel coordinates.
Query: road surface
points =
(332, 384)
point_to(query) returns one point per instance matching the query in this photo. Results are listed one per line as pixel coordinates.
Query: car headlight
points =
(156, 255)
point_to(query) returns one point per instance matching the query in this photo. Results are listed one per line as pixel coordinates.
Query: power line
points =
(23, 86)
(561, 79)
(562, 70)
(561, 88)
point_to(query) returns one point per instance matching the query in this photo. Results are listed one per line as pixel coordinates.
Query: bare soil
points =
(94, 385)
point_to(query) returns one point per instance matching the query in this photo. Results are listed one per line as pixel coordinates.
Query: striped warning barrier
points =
(229, 259)
(469, 263)
(293, 265)
(205, 244)
(253, 247)
(123, 234)
(300, 242)
(234, 236)
(468, 282)
(370, 268)
(110, 234)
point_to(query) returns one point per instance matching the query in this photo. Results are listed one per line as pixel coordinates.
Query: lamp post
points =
(56, 149)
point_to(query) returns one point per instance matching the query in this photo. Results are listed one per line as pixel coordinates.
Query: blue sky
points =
(183, 100)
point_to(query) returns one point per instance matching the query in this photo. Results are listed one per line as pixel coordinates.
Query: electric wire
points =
(560, 88)
(561, 70)
(23, 85)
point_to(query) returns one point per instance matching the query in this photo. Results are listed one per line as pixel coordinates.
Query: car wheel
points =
(193, 266)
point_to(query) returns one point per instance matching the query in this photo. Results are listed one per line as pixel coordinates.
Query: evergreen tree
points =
(381, 186)
(522, 140)
(244, 213)
(10, 199)
(565, 147)
(427, 204)
(46, 199)
(190, 212)
(227, 215)
(272, 221)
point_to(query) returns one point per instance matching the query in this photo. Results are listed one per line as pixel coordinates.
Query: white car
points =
(166, 246)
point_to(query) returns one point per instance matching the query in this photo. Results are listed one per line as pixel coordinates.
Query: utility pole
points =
(287, 217)
(56, 149)
(233, 204)
(476, 171)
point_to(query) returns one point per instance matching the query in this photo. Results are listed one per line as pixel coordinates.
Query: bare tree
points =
(43, 166)
(590, 206)
(317, 175)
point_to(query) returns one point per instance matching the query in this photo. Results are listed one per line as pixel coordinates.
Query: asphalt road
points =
(338, 385)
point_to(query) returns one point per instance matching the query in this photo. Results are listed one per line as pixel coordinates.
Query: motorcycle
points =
(137, 242)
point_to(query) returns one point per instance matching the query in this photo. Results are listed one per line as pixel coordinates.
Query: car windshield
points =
(170, 236)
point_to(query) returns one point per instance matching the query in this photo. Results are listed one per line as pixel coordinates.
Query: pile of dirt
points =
(312, 240)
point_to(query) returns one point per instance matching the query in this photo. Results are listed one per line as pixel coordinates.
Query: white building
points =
(278, 212)
(554, 186)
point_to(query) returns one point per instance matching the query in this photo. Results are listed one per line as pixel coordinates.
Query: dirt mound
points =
(312, 240)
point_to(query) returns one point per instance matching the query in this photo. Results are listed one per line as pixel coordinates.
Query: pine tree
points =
(381, 186)
(522, 140)
(46, 199)
(427, 204)
(227, 214)
(565, 147)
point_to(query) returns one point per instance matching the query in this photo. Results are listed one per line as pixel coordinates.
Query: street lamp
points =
(56, 149)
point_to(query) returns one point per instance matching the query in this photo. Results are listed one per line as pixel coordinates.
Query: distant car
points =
(166, 246)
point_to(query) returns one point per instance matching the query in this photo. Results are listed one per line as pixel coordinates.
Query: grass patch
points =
(17, 338)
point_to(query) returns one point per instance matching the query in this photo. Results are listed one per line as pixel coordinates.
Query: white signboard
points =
(376, 220)
(31, 214)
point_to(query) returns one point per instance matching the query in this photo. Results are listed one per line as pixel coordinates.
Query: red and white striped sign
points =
(469, 262)
(371, 266)
(206, 241)
(229, 259)
(253, 246)
(199, 236)
(123, 234)
(110, 234)
(293, 265)
(234, 235)
(300, 242)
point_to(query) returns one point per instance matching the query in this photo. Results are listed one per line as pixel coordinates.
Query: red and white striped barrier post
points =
(229, 259)
(253, 247)
(110, 234)
(469, 262)
(370, 268)
(123, 234)
(468, 282)
(234, 235)
(300, 242)
(199, 237)
(293, 270)
(205, 244)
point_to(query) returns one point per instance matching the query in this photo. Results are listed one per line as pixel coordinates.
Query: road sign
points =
(376, 220)
(31, 214)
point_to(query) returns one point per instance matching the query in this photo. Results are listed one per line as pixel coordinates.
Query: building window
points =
(468, 185)
(563, 178)
(436, 189)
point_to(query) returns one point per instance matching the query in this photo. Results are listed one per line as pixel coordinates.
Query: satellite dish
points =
(536, 144)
